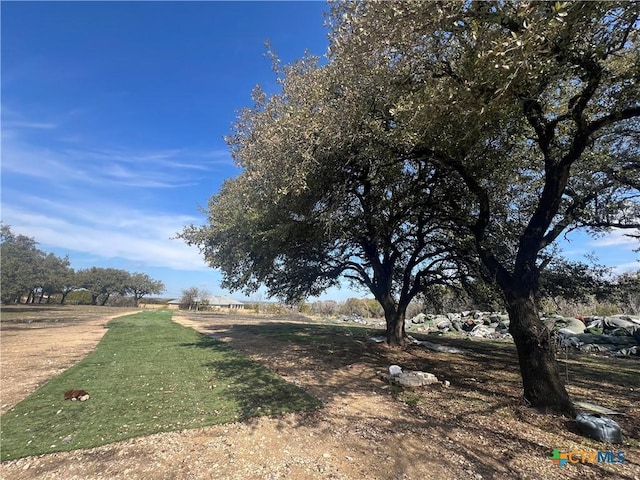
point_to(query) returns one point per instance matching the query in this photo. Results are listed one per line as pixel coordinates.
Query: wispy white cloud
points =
(106, 230)
(13, 120)
(16, 124)
(39, 148)
(38, 162)
(617, 237)
(100, 201)
(626, 267)
(106, 167)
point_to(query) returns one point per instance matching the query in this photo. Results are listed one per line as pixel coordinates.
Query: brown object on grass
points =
(81, 395)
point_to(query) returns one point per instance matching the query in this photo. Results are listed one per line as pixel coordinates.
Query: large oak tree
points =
(324, 197)
(21, 266)
(524, 114)
(140, 284)
(534, 108)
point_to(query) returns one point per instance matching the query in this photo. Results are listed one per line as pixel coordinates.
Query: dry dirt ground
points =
(39, 342)
(478, 428)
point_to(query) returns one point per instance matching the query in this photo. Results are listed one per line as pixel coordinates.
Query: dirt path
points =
(362, 431)
(34, 352)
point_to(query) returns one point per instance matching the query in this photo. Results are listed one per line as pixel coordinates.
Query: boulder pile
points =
(469, 323)
(617, 335)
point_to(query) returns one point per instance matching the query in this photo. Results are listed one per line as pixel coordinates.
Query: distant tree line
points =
(567, 288)
(30, 275)
(575, 288)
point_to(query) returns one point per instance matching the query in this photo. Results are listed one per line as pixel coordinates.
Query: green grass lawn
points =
(147, 375)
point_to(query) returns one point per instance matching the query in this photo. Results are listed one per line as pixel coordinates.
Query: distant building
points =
(174, 304)
(222, 302)
(216, 302)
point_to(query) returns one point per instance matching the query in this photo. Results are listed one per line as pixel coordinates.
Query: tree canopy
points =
(140, 284)
(28, 272)
(21, 265)
(534, 108)
(468, 135)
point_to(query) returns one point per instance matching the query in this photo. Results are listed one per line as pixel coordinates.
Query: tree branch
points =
(613, 117)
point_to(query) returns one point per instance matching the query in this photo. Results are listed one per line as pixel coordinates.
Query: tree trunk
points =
(543, 385)
(396, 335)
(394, 314)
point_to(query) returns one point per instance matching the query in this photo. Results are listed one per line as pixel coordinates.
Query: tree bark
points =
(105, 299)
(543, 385)
(396, 335)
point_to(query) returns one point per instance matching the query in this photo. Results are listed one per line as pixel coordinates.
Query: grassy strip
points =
(147, 375)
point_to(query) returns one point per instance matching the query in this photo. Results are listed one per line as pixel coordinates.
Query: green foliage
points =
(103, 282)
(574, 281)
(141, 284)
(466, 295)
(304, 308)
(324, 198)
(28, 272)
(531, 82)
(147, 375)
(399, 133)
(411, 398)
(355, 306)
(79, 297)
(156, 301)
(439, 141)
(606, 309)
(625, 292)
(21, 262)
(580, 289)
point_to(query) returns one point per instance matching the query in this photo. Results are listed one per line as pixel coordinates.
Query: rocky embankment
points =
(616, 335)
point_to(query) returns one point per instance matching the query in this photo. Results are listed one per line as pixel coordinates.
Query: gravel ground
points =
(476, 429)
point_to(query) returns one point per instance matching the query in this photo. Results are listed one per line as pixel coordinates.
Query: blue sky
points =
(113, 117)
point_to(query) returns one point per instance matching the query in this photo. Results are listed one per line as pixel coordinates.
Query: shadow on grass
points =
(482, 364)
(484, 400)
(147, 375)
(254, 389)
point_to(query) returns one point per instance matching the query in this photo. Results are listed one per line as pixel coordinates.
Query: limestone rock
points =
(410, 378)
